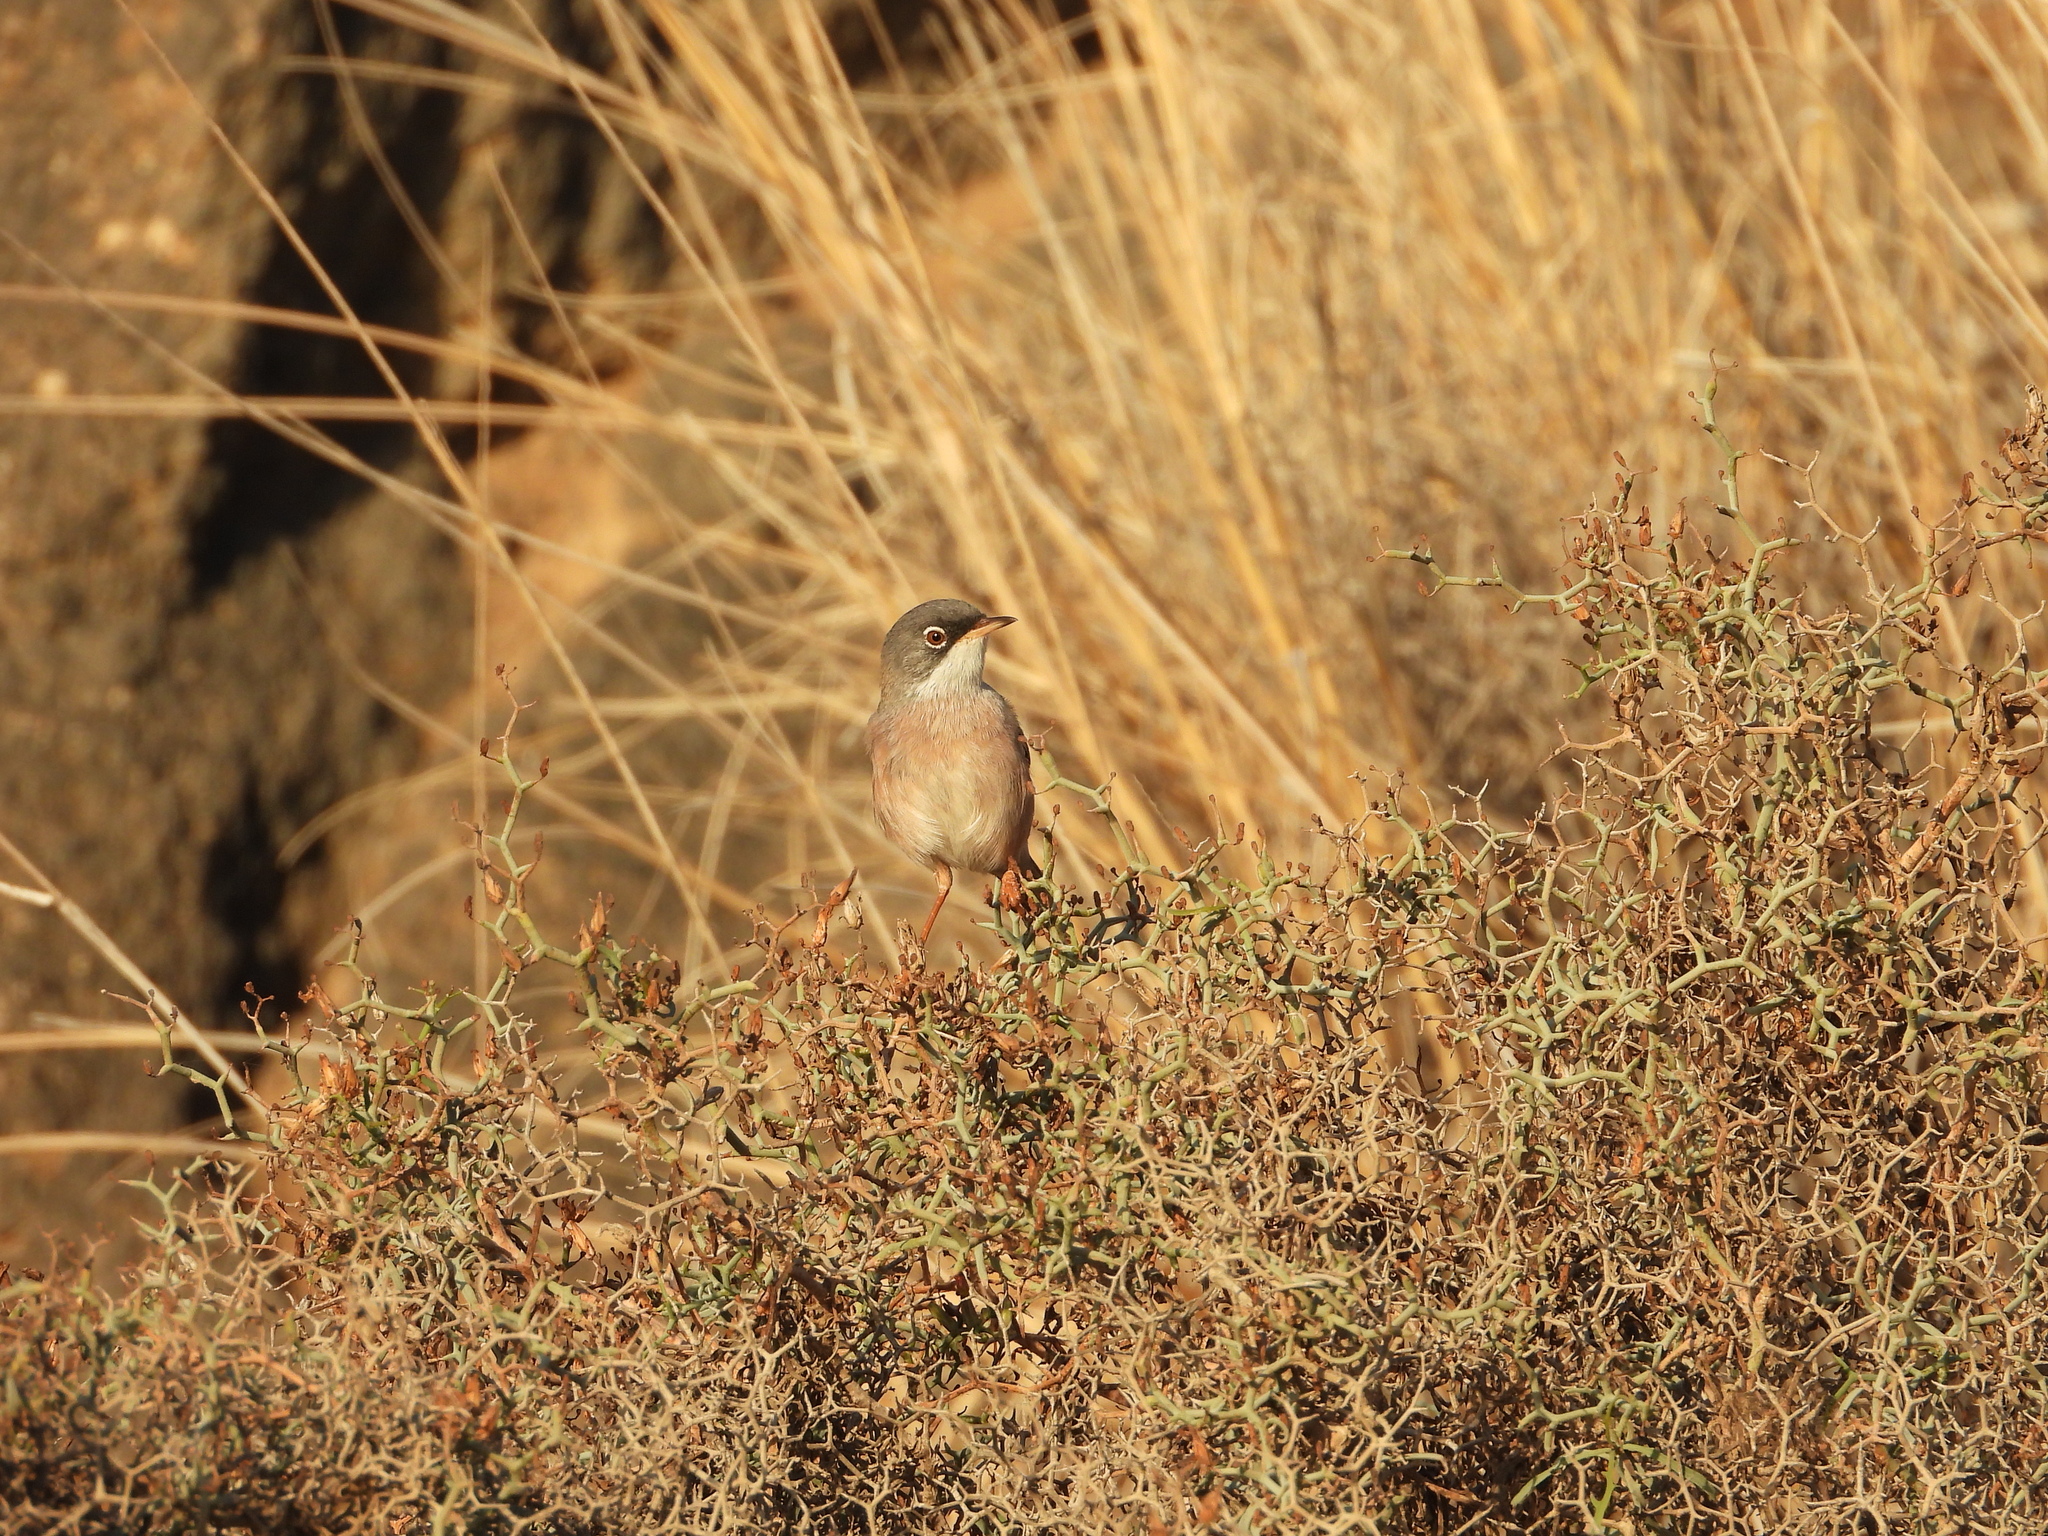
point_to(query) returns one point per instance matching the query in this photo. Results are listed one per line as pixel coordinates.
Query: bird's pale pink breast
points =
(952, 782)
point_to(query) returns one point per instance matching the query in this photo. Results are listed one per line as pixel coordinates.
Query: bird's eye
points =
(935, 637)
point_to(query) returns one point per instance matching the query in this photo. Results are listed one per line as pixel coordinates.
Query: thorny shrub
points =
(1670, 1164)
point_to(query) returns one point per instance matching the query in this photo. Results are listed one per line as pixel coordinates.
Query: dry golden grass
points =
(1206, 321)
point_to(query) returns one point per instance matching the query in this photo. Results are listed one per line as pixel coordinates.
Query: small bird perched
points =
(952, 776)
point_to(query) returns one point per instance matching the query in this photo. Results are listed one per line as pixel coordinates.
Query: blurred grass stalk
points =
(1154, 329)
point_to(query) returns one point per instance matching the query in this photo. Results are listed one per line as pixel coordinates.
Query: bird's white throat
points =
(958, 671)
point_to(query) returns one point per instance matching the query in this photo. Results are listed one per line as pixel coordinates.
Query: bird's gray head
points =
(936, 647)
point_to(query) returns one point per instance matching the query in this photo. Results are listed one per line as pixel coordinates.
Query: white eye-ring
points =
(935, 637)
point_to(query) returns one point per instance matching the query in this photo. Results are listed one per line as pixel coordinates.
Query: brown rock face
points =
(184, 603)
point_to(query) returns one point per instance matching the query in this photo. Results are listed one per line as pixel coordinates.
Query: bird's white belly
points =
(963, 819)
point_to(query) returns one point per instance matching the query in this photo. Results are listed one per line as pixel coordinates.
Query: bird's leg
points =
(944, 875)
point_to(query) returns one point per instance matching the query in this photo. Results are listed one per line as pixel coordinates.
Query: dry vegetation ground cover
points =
(1711, 1202)
(1650, 1145)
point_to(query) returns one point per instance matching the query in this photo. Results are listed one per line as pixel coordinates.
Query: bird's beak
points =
(989, 624)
